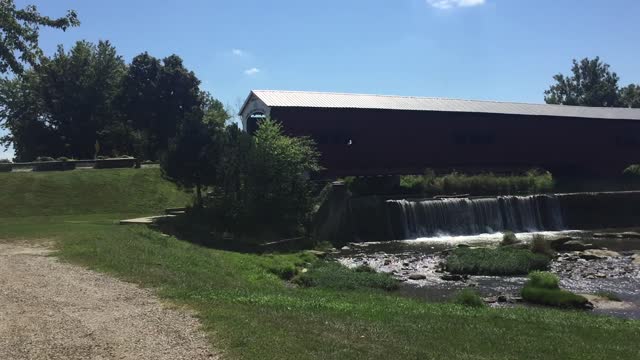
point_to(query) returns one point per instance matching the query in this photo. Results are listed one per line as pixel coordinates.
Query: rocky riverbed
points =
(591, 263)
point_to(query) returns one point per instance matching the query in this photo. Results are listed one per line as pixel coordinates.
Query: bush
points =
(540, 245)
(335, 276)
(543, 289)
(632, 171)
(544, 280)
(509, 238)
(468, 297)
(532, 181)
(500, 261)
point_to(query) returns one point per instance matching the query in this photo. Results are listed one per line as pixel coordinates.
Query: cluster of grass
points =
(632, 171)
(499, 261)
(543, 288)
(249, 312)
(469, 297)
(533, 181)
(332, 275)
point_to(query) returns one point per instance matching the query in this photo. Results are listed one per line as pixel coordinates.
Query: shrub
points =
(532, 181)
(632, 171)
(543, 289)
(335, 276)
(470, 298)
(500, 261)
(544, 280)
(540, 245)
(509, 238)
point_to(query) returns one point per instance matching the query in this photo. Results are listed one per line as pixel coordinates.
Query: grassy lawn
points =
(251, 313)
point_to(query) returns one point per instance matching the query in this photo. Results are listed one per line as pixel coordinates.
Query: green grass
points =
(469, 297)
(81, 192)
(251, 313)
(543, 288)
(500, 261)
(332, 275)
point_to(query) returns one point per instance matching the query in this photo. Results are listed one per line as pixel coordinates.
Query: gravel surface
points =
(52, 310)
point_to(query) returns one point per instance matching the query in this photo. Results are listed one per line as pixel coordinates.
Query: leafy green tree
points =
(19, 34)
(78, 89)
(23, 115)
(266, 180)
(630, 96)
(157, 96)
(592, 84)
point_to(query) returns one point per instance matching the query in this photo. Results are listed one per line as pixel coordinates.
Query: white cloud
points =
(252, 71)
(448, 4)
(238, 52)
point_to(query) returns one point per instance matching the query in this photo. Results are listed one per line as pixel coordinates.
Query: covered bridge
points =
(385, 135)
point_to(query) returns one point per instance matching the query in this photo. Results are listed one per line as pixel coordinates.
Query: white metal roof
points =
(275, 98)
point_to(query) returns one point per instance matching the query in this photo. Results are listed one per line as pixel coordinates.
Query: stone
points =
(636, 259)
(417, 277)
(502, 299)
(601, 275)
(463, 246)
(595, 254)
(452, 277)
(387, 262)
(631, 235)
(555, 243)
(345, 248)
(573, 245)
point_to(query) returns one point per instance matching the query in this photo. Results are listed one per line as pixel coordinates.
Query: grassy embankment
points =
(251, 313)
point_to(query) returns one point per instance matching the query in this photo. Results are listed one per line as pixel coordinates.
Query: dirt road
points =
(52, 310)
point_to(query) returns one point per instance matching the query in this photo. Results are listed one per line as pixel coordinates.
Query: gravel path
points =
(52, 310)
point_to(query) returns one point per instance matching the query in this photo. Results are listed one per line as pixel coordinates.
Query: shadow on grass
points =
(198, 229)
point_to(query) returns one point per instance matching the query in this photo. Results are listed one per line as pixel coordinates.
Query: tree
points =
(19, 34)
(157, 96)
(191, 160)
(79, 89)
(265, 180)
(592, 84)
(630, 96)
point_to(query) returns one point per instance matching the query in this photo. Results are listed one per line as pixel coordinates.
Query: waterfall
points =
(463, 216)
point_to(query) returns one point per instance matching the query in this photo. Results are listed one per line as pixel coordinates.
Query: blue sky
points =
(478, 49)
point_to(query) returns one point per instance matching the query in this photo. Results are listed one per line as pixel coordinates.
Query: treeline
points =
(89, 102)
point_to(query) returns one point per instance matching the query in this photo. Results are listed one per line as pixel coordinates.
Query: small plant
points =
(365, 269)
(332, 275)
(543, 288)
(495, 262)
(540, 245)
(468, 297)
(609, 296)
(544, 280)
(509, 238)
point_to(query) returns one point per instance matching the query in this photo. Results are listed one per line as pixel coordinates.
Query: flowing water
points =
(468, 216)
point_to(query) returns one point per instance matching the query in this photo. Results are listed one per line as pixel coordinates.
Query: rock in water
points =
(417, 277)
(598, 254)
(572, 245)
(452, 277)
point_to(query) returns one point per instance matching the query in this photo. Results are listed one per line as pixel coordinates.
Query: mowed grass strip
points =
(251, 313)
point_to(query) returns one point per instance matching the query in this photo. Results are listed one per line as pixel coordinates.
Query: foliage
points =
(543, 288)
(430, 184)
(630, 96)
(592, 84)
(335, 276)
(509, 238)
(19, 31)
(540, 245)
(87, 102)
(500, 261)
(632, 172)
(544, 280)
(250, 313)
(264, 182)
(469, 297)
